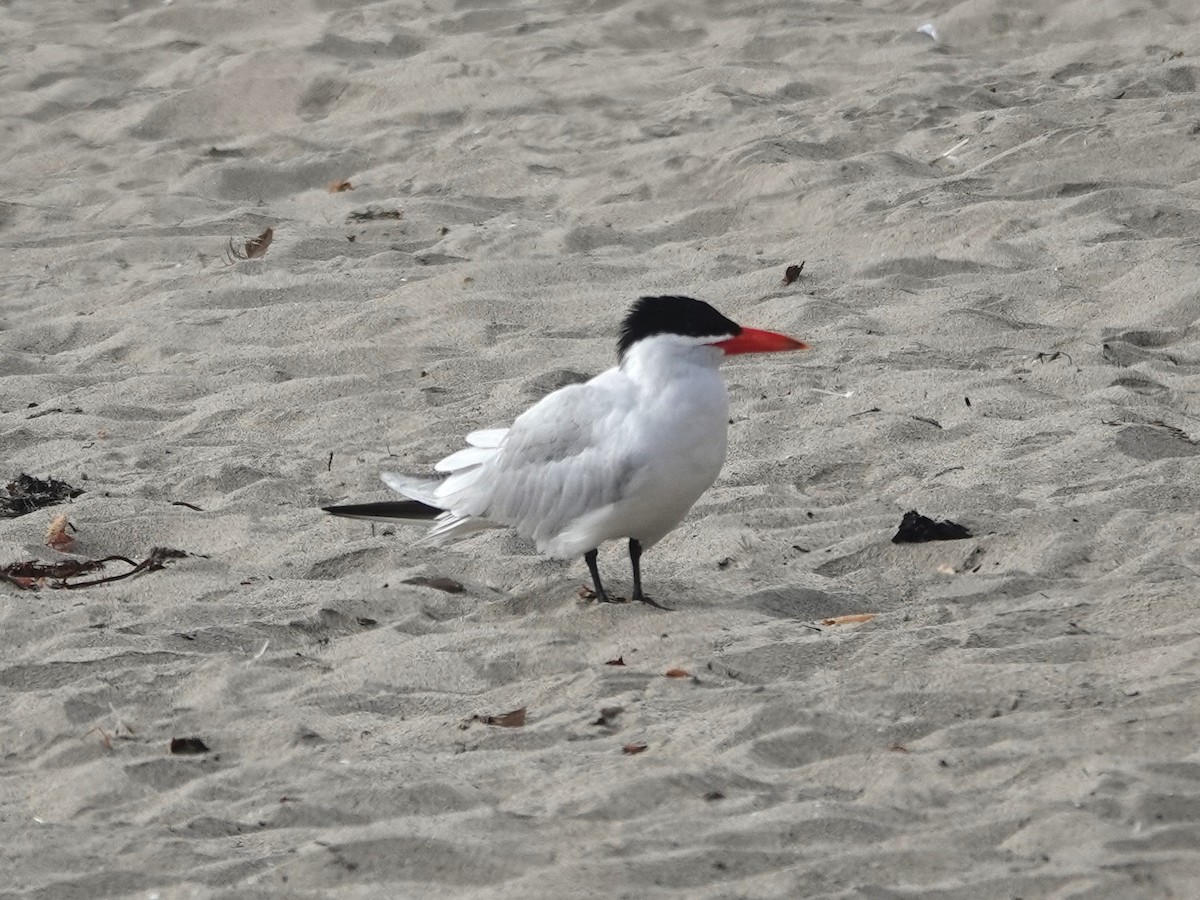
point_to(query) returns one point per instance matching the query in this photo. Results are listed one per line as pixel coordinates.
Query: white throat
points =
(662, 358)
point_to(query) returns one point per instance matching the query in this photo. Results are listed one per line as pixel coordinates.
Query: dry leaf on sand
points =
(855, 619)
(792, 273)
(256, 247)
(513, 719)
(57, 535)
(252, 249)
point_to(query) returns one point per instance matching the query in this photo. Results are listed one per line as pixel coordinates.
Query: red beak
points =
(751, 340)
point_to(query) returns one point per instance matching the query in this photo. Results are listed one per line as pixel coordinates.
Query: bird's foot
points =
(642, 598)
(588, 595)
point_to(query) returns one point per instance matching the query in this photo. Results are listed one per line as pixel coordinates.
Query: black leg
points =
(635, 559)
(590, 559)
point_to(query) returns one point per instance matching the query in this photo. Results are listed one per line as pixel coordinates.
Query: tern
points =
(624, 455)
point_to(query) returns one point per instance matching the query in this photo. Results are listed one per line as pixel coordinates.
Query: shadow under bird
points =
(624, 455)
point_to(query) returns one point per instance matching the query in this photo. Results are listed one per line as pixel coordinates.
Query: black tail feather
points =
(413, 510)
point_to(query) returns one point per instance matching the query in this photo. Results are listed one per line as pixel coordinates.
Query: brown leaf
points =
(256, 247)
(854, 619)
(677, 673)
(792, 273)
(188, 746)
(619, 661)
(338, 186)
(514, 719)
(252, 249)
(633, 749)
(57, 536)
(586, 593)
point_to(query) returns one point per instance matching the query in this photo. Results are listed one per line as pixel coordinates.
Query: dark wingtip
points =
(385, 510)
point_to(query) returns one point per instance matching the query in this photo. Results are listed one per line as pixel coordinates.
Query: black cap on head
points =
(672, 315)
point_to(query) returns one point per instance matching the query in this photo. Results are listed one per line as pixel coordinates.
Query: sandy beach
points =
(999, 221)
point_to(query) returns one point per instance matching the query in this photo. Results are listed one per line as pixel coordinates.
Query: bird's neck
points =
(661, 360)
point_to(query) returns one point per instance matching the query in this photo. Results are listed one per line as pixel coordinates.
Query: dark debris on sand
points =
(26, 494)
(917, 529)
(31, 574)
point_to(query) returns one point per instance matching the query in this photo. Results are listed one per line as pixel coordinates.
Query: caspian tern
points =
(624, 455)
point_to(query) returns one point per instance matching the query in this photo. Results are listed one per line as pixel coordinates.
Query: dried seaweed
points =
(26, 494)
(32, 574)
(917, 529)
(188, 746)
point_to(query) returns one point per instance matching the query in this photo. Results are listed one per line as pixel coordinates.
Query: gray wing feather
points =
(561, 459)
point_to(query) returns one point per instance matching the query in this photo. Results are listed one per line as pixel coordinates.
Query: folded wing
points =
(560, 460)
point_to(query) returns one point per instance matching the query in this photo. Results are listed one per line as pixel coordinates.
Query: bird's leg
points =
(590, 559)
(635, 559)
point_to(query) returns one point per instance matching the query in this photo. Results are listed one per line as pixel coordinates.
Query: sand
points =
(999, 230)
